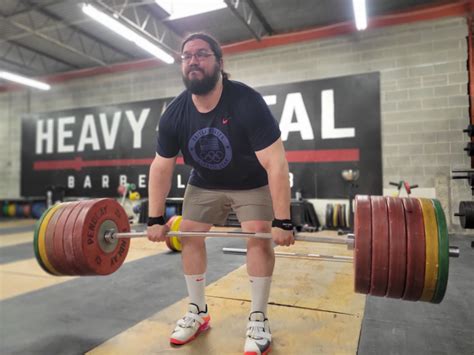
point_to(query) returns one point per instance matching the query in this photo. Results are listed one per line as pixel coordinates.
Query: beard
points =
(202, 86)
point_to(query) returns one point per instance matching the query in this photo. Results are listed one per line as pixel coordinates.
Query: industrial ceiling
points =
(40, 38)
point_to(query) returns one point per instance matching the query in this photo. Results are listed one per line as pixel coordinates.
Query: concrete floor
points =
(400, 327)
(78, 314)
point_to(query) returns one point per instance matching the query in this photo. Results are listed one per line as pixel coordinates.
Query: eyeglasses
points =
(199, 55)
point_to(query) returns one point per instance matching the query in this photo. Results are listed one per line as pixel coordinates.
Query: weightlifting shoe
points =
(259, 337)
(190, 326)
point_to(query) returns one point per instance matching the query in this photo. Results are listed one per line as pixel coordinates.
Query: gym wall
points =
(424, 99)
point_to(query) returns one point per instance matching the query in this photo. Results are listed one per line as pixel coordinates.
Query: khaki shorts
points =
(213, 206)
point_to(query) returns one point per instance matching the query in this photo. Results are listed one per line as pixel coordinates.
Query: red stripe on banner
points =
(294, 156)
(78, 164)
(322, 156)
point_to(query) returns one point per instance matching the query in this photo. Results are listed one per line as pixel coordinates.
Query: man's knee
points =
(257, 226)
(260, 247)
(192, 226)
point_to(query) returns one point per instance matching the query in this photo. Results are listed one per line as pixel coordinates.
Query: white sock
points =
(260, 288)
(196, 285)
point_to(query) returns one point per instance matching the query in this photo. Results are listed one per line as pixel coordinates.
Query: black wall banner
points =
(327, 126)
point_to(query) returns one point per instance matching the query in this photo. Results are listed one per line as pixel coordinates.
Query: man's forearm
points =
(279, 183)
(159, 185)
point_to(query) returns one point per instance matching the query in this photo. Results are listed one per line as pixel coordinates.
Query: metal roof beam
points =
(70, 25)
(251, 19)
(18, 8)
(30, 59)
(46, 55)
(57, 41)
(135, 15)
(261, 18)
(31, 7)
(16, 68)
(45, 28)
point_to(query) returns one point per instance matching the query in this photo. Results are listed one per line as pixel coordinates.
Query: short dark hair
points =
(215, 46)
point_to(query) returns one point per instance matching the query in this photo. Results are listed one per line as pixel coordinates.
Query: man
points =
(226, 132)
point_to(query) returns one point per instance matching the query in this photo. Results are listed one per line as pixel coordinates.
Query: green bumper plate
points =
(35, 242)
(443, 270)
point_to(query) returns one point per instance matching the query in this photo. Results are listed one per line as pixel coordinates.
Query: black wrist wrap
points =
(284, 224)
(156, 220)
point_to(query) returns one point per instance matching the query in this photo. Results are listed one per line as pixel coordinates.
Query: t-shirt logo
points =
(210, 148)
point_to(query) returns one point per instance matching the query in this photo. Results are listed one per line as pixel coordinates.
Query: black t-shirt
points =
(220, 145)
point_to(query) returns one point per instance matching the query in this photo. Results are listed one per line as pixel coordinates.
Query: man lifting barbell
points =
(401, 244)
(226, 132)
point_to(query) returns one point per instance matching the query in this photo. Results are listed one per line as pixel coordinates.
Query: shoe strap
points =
(257, 329)
(194, 316)
(260, 334)
(254, 323)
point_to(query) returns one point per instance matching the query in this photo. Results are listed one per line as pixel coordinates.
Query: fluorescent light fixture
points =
(126, 32)
(360, 14)
(184, 8)
(24, 81)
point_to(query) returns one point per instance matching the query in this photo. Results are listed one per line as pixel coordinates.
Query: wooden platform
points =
(24, 276)
(313, 310)
(14, 223)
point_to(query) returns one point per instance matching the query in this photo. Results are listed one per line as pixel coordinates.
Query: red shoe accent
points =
(266, 352)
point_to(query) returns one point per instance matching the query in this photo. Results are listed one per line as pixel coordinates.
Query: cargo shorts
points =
(213, 206)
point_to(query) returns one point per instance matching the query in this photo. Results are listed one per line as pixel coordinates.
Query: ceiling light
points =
(127, 33)
(184, 8)
(360, 14)
(24, 81)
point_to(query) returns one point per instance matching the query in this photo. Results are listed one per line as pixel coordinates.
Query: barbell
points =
(338, 258)
(401, 244)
